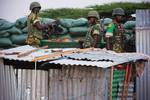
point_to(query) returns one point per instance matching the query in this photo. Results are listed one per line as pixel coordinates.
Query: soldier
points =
(34, 25)
(93, 35)
(114, 34)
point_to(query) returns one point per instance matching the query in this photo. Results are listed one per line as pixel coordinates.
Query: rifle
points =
(53, 28)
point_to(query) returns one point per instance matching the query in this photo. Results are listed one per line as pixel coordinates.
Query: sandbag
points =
(67, 23)
(25, 30)
(4, 33)
(21, 22)
(4, 24)
(80, 22)
(14, 30)
(106, 21)
(18, 39)
(128, 31)
(129, 25)
(5, 42)
(78, 31)
(46, 20)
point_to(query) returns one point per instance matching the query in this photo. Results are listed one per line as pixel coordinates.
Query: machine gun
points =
(52, 28)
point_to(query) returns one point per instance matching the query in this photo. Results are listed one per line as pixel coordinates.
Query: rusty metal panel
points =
(143, 46)
(78, 83)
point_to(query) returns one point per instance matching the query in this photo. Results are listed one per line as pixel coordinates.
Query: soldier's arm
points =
(109, 35)
(110, 30)
(40, 26)
(96, 36)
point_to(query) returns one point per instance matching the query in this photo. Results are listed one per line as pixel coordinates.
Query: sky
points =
(11, 10)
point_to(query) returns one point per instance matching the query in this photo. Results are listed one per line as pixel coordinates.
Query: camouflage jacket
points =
(117, 35)
(93, 30)
(34, 35)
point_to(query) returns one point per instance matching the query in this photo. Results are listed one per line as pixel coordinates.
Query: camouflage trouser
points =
(118, 44)
(88, 41)
(117, 47)
(33, 41)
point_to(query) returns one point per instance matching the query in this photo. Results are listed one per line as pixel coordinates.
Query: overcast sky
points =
(14, 9)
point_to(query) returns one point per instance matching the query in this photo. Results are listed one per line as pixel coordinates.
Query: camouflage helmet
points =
(93, 14)
(34, 5)
(118, 11)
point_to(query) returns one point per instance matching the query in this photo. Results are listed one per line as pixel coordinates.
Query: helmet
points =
(118, 11)
(93, 14)
(34, 5)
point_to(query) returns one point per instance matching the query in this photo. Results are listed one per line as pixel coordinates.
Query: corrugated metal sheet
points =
(78, 83)
(22, 84)
(67, 83)
(25, 48)
(143, 18)
(8, 85)
(99, 58)
(143, 46)
(32, 84)
(30, 57)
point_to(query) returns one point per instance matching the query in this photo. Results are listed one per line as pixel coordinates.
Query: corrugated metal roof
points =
(24, 49)
(99, 58)
(31, 56)
(96, 57)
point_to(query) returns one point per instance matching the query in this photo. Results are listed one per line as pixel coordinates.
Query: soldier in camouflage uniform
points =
(93, 35)
(115, 33)
(34, 25)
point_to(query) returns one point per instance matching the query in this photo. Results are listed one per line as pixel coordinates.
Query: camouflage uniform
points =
(93, 29)
(117, 39)
(116, 33)
(34, 35)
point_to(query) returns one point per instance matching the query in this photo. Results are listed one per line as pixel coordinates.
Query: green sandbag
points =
(18, 39)
(46, 20)
(80, 22)
(106, 21)
(5, 42)
(78, 31)
(25, 30)
(4, 24)
(129, 25)
(4, 33)
(14, 30)
(21, 22)
(67, 23)
(128, 31)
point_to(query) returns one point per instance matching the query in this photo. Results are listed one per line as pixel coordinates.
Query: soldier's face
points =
(36, 10)
(92, 20)
(119, 18)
